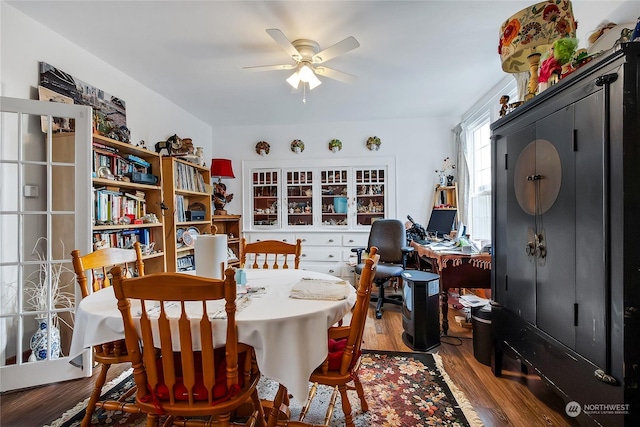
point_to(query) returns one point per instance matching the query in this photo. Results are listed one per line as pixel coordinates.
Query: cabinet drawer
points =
(333, 269)
(318, 254)
(261, 237)
(319, 239)
(356, 240)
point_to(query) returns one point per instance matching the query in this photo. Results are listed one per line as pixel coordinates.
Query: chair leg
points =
(360, 391)
(95, 395)
(346, 406)
(258, 410)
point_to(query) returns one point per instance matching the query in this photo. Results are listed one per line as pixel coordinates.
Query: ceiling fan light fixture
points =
(314, 82)
(294, 80)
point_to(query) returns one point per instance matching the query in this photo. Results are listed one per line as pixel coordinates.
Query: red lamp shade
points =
(221, 168)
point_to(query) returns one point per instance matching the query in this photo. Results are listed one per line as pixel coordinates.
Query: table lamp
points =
(528, 34)
(221, 168)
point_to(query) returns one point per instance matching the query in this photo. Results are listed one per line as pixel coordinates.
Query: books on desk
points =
(473, 301)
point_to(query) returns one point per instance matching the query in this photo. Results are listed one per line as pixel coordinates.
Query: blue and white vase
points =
(38, 343)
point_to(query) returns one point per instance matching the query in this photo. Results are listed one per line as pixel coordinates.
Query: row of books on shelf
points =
(122, 238)
(189, 178)
(119, 165)
(181, 215)
(112, 205)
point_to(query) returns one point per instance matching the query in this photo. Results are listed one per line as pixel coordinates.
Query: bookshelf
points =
(187, 191)
(230, 225)
(124, 208)
(446, 197)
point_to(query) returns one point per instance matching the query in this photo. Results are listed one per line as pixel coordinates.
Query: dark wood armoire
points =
(566, 238)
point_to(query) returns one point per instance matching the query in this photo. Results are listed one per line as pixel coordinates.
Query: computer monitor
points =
(441, 221)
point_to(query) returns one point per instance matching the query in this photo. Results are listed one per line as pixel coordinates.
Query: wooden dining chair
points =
(197, 380)
(270, 254)
(340, 368)
(96, 266)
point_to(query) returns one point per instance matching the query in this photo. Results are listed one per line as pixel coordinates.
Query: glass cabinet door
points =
(265, 198)
(335, 196)
(299, 189)
(370, 195)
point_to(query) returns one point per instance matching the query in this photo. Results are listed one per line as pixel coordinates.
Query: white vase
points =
(38, 342)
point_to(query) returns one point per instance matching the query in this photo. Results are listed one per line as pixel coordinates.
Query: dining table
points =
(288, 330)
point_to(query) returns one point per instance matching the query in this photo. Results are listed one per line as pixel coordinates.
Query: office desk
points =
(289, 335)
(456, 270)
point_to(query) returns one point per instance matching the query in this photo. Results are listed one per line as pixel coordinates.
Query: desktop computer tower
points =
(421, 310)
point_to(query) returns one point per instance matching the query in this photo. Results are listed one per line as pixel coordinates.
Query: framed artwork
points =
(83, 93)
(59, 124)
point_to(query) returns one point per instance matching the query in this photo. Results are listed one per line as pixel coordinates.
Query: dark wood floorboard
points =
(515, 400)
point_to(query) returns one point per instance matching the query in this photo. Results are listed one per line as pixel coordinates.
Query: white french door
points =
(45, 201)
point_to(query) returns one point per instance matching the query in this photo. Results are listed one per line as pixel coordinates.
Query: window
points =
(476, 122)
(479, 155)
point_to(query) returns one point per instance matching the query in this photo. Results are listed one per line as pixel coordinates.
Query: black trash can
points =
(481, 326)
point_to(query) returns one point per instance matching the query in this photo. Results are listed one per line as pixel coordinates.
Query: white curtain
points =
(462, 163)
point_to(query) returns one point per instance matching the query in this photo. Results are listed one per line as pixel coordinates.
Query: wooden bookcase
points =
(446, 197)
(124, 211)
(230, 225)
(187, 190)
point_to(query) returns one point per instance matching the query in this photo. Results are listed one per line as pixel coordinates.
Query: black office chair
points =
(389, 236)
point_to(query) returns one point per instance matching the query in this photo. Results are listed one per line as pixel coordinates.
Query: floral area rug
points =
(402, 389)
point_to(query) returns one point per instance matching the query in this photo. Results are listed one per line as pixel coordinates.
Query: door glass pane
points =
(35, 225)
(34, 190)
(335, 197)
(9, 129)
(9, 194)
(370, 197)
(62, 236)
(9, 232)
(9, 289)
(33, 140)
(63, 192)
(265, 198)
(299, 198)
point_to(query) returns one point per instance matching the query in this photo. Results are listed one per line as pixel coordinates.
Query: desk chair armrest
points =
(359, 253)
(406, 250)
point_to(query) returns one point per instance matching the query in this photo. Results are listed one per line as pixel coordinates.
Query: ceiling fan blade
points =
(335, 74)
(337, 49)
(270, 67)
(284, 42)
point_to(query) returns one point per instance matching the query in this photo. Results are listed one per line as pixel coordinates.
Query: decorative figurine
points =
(504, 101)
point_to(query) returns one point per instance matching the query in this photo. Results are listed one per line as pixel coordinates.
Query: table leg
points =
(444, 308)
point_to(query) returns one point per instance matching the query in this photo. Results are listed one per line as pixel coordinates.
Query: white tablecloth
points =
(289, 335)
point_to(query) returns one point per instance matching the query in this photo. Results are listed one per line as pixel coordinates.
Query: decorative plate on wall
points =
(262, 148)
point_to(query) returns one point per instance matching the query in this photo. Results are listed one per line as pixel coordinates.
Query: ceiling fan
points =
(308, 59)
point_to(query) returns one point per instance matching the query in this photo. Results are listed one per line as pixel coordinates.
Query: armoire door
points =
(520, 294)
(555, 224)
(591, 281)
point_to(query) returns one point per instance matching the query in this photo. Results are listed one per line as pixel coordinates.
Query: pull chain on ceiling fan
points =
(307, 56)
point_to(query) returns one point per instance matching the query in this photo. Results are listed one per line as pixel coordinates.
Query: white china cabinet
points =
(328, 204)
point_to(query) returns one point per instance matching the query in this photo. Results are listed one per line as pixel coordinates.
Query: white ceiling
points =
(416, 58)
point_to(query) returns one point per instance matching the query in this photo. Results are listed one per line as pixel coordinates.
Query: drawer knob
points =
(331, 271)
(284, 240)
(350, 240)
(330, 240)
(304, 240)
(330, 256)
(303, 255)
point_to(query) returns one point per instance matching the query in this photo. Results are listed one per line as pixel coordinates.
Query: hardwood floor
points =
(513, 400)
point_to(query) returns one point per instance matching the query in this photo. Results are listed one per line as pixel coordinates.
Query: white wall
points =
(419, 146)
(24, 42)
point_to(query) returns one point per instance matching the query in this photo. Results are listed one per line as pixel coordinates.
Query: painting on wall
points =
(59, 124)
(109, 107)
